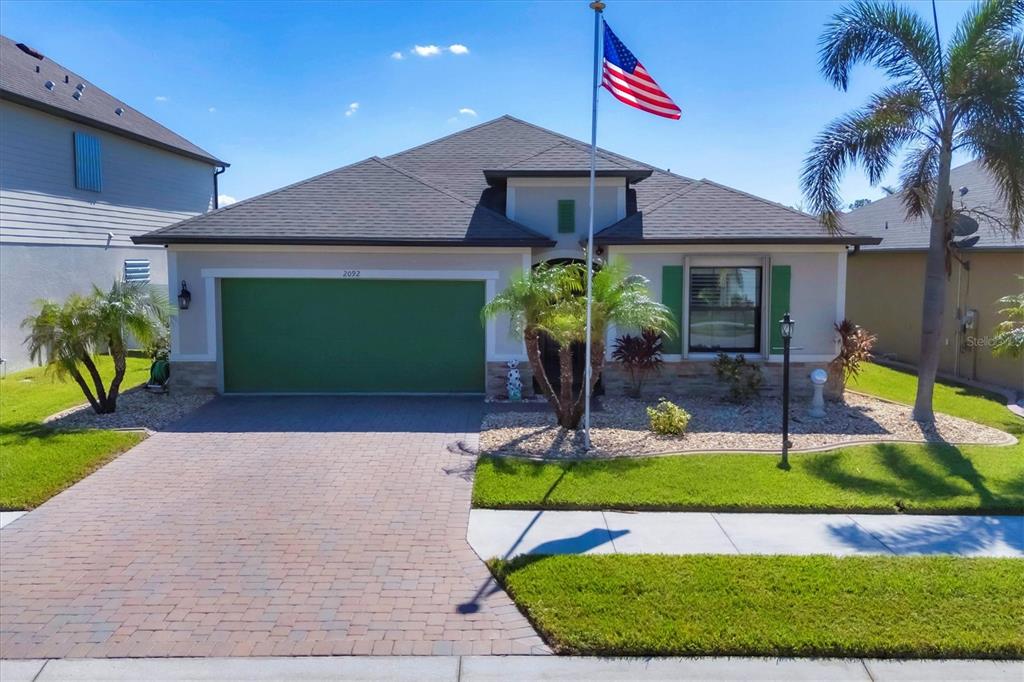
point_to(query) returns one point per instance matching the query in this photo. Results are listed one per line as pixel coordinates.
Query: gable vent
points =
(49, 85)
(136, 270)
(119, 111)
(77, 94)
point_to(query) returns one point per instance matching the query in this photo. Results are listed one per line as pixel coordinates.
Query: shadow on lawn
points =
(914, 480)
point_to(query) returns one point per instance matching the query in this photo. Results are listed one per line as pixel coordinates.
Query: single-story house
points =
(370, 278)
(885, 282)
(81, 173)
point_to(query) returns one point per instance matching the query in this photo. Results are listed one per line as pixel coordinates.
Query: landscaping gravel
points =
(620, 429)
(136, 409)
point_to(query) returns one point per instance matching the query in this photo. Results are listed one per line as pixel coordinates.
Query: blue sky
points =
(270, 87)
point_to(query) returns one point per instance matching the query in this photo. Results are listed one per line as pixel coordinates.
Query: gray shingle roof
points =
(370, 202)
(887, 217)
(438, 193)
(21, 83)
(706, 212)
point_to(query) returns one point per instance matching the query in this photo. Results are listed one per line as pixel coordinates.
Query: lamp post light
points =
(786, 325)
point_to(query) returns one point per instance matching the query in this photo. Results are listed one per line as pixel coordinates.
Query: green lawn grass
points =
(875, 478)
(37, 462)
(920, 607)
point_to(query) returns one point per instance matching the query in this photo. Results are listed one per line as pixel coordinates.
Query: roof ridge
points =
(447, 192)
(757, 198)
(447, 137)
(580, 143)
(531, 156)
(222, 209)
(672, 196)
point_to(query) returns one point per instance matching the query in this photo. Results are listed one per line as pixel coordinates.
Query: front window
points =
(725, 310)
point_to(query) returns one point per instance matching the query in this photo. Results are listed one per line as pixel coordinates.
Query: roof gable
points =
(887, 218)
(369, 202)
(21, 82)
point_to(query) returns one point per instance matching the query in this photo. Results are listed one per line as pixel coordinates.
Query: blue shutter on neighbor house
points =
(88, 169)
(136, 270)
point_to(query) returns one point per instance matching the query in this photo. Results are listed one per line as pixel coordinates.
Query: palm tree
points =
(549, 300)
(968, 96)
(67, 335)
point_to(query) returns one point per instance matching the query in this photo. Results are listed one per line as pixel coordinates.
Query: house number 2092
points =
(350, 273)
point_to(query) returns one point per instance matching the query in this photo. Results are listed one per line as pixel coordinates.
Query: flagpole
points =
(598, 7)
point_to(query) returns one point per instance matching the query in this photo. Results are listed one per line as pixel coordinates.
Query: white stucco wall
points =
(534, 203)
(29, 272)
(195, 332)
(817, 288)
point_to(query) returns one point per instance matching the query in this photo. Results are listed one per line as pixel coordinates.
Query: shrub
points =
(668, 419)
(855, 344)
(159, 348)
(1009, 336)
(640, 355)
(744, 378)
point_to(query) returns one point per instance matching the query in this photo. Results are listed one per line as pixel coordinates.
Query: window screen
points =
(725, 309)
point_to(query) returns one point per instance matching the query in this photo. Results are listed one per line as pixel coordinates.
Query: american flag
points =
(628, 81)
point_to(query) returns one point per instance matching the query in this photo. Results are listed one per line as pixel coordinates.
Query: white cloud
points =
(162, 98)
(458, 48)
(225, 200)
(213, 110)
(466, 111)
(426, 50)
(352, 109)
(397, 55)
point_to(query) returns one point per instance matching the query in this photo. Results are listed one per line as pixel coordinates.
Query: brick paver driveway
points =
(265, 526)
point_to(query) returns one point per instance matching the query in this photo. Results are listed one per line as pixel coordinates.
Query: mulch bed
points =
(620, 429)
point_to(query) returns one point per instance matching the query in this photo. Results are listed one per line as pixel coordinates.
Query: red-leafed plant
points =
(640, 356)
(855, 344)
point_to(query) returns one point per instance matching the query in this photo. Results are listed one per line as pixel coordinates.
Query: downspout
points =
(216, 189)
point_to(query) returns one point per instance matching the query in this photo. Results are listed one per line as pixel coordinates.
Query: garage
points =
(352, 336)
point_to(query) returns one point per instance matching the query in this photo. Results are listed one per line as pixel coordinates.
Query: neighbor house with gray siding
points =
(370, 278)
(81, 173)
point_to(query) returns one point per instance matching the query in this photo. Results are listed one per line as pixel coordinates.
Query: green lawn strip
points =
(953, 399)
(701, 605)
(883, 478)
(37, 462)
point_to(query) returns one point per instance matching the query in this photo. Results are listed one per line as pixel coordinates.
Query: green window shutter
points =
(672, 297)
(567, 215)
(779, 304)
(88, 171)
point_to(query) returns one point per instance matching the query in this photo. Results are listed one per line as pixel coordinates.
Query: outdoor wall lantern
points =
(184, 297)
(786, 325)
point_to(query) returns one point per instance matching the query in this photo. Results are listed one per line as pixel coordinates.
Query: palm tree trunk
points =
(532, 339)
(934, 305)
(97, 380)
(117, 352)
(566, 404)
(84, 385)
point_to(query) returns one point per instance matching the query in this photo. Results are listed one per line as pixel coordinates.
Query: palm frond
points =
(983, 29)
(1000, 149)
(869, 137)
(887, 35)
(917, 179)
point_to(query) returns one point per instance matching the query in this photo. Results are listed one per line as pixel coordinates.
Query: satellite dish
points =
(966, 243)
(964, 225)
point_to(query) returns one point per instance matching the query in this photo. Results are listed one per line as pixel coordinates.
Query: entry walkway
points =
(501, 668)
(507, 533)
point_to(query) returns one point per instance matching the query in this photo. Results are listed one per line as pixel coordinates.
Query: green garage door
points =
(352, 335)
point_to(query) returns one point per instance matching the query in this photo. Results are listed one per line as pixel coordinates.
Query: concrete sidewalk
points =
(503, 668)
(507, 533)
